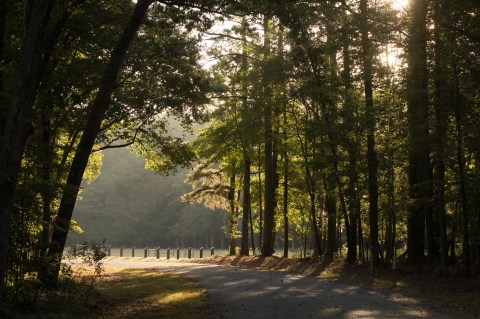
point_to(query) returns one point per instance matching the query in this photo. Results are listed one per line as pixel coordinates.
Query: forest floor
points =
(440, 292)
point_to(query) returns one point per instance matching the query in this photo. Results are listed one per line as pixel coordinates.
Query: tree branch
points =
(134, 139)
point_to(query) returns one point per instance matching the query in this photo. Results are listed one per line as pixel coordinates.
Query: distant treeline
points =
(129, 205)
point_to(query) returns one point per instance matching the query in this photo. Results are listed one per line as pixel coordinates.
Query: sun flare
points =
(400, 4)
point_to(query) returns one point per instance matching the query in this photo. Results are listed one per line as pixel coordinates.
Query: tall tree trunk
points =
(313, 215)
(285, 188)
(278, 105)
(47, 189)
(269, 213)
(252, 237)
(247, 209)
(246, 205)
(17, 125)
(372, 161)
(231, 218)
(419, 150)
(260, 201)
(361, 243)
(463, 195)
(352, 200)
(352, 175)
(3, 105)
(97, 114)
(461, 174)
(440, 104)
(331, 208)
(343, 204)
(390, 232)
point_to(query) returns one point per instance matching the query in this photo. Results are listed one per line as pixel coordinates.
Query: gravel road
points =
(251, 293)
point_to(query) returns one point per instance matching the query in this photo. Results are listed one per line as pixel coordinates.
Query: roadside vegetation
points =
(87, 289)
(120, 293)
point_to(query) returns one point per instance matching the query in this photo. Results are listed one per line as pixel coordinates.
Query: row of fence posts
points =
(190, 252)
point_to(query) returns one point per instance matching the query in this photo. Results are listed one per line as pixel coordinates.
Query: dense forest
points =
(349, 119)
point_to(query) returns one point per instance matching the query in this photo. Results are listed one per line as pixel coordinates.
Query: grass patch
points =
(147, 293)
(125, 294)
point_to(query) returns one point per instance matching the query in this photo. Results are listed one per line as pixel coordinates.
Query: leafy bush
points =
(75, 292)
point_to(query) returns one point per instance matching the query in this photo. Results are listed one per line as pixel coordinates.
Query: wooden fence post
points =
(178, 253)
(212, 251)
(121, 251)
(133, 251)
(158, 252)
(189, 252)
(201, 252)
(145, 252)
(168, 253)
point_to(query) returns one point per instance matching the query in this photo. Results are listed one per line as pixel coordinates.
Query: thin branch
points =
(221, 35)
(226, 97)
(134, 139)
(220, 11)
(108, 146)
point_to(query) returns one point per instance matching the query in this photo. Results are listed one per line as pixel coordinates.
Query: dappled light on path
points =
(251, 293)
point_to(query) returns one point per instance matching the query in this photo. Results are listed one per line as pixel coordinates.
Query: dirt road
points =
(251, 293)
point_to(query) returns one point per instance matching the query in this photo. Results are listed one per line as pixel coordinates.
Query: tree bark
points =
(419, 151)
(352, 200)
(246, 205)
(97, 114)
(231, 220)
(285, 188)
(260, 202)
(331, 208)
(47, 191)
(352, 175)
(462, 180)
(17, 125)
(440, 105)
(252, 237)
(361, 243)
(390, 232)
(269, 213)
(313, 215)
(3, 106)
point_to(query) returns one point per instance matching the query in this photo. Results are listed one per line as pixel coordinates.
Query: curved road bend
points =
(250, 293)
